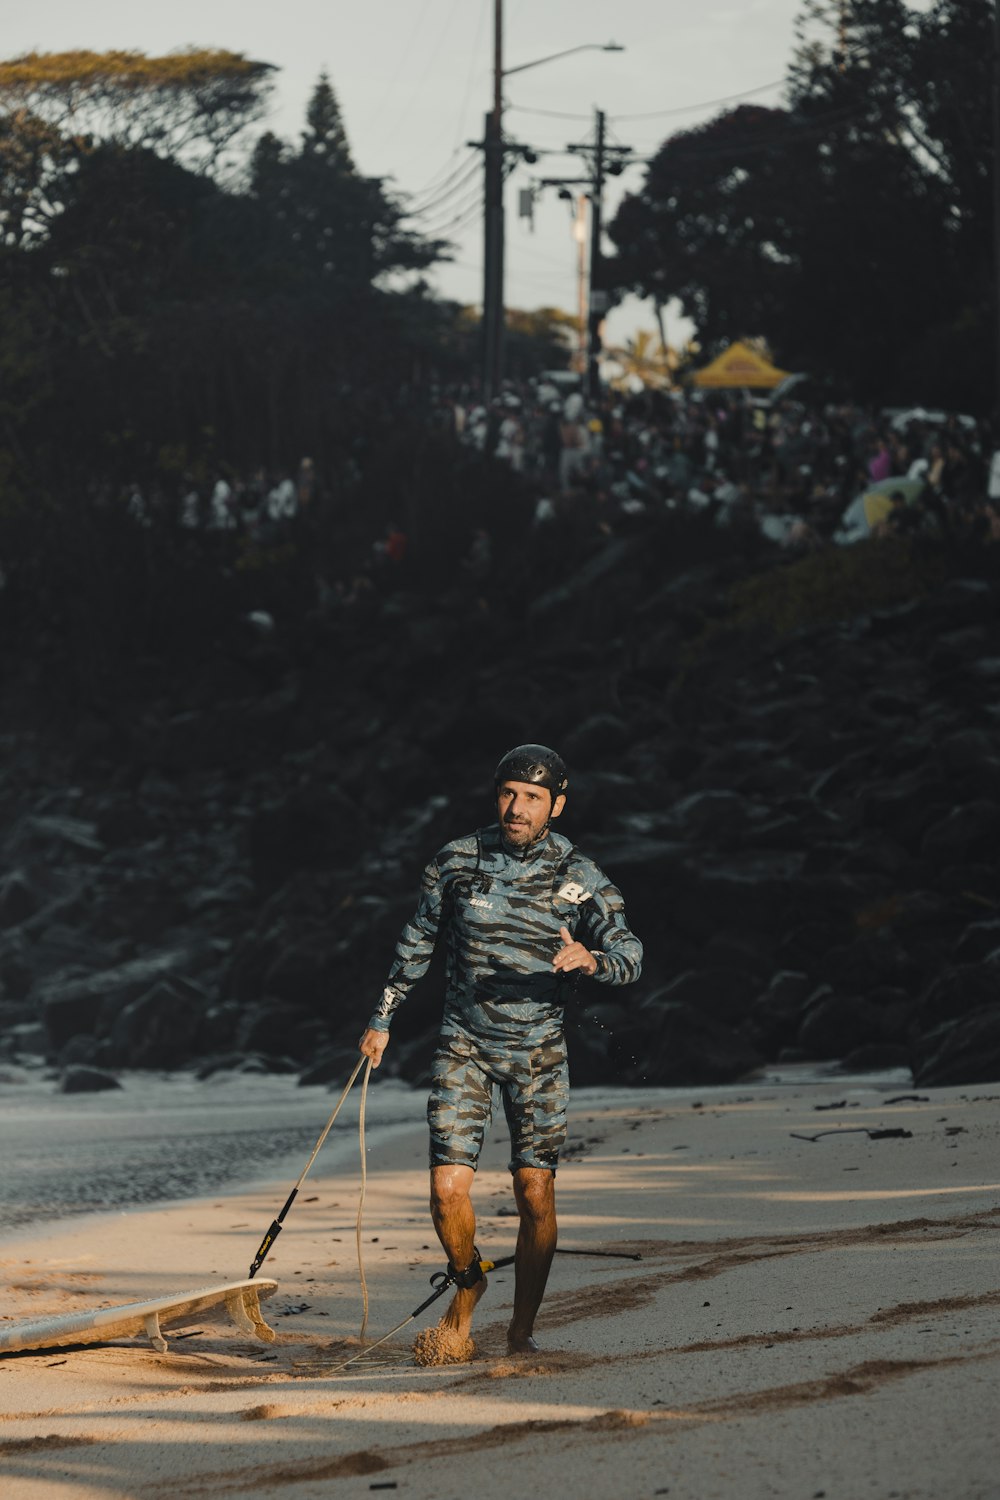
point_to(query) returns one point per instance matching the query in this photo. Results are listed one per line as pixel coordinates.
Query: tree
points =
(319, 215)
(56, 108)
(851, 226)
(191, 103)
(541, 339)
(189, 315)
(325, 135)
(645, 360)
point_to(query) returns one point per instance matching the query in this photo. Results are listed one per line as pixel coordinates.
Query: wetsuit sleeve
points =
(414, 949)
(605, 932)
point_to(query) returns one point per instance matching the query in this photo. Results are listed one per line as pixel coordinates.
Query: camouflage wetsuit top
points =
(502, 1027)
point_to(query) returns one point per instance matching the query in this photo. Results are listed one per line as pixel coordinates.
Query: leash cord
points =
(361, 1201)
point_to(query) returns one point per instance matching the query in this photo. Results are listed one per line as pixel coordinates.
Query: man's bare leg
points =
(535, 1195)
(455, 1222)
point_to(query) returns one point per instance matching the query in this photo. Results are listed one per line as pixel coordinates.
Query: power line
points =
(420, 82)
(441, 177)
(801, 130)
(404, 57)
(458, 186)
(552, 114)
(459, 211)
(462, 224)
(472, 73)
(686, 109)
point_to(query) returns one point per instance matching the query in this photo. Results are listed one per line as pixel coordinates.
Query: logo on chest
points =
(573, 892)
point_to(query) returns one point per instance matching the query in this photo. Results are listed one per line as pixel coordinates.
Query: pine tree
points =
(325, 135)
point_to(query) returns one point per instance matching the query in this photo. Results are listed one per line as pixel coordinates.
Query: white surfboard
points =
(240, 1299)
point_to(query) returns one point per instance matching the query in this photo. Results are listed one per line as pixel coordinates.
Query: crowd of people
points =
(798, 471)
(786, 464)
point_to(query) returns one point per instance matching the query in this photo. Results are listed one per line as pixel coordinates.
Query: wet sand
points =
(817, 1310)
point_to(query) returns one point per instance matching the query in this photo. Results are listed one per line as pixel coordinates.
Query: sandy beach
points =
(816, 1313)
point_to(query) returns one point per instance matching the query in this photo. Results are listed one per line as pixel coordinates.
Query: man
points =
(523, 913)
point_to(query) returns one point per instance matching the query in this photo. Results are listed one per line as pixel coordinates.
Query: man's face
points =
(523, 809)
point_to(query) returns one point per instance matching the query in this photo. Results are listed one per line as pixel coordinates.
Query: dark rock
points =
(217, 1029)
(125, 823)
(967, 750)
(609, 801)
(749, 892)
(265, 1029)
(315, 828)
(67, 1015)
(245, 1062)
(715, 814)
(749, 953)
(978, 941)
(867, 961)
(79, 1049)
(906, 807)
(67, 1001)
(15, 972)
(804, 948)
(19, 898)
(30, 1037)
(82, 1080)
(681, 758)
(964, 601)
(775, 1015)
(877, 1057)
(958, 991)
(309, 1038)
(722, 993)
(688, 1048)
(777, 833)
(333, 1064)
(590, 1063)
(302, 975)
(967, 834)
(410, 1059)
(597, 738)
(158, 1030)
(834, 1025)
(606, 561)
(966, 1050)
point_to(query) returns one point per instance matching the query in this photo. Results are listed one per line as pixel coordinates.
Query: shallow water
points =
(164, 1137)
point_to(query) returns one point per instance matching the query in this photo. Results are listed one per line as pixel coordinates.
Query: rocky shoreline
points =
(802, 810)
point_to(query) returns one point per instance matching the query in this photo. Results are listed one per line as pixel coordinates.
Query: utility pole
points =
(580, 235)
(493, 222)
(598, 293)
(602, 160)
(495, 150)
(996, 201)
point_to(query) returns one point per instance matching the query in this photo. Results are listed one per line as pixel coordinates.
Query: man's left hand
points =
(573, 955)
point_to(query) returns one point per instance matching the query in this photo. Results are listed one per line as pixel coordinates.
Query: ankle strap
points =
(470, 1277)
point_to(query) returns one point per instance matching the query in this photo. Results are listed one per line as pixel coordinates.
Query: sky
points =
(414, 81)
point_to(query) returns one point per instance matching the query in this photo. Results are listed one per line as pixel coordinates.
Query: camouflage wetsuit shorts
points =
(467, 1075)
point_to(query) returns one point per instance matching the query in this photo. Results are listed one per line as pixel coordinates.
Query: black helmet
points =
(536, 763)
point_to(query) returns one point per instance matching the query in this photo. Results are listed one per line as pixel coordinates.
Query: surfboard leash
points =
(267, 1243)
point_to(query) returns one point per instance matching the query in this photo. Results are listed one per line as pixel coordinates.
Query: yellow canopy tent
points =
(739, 365)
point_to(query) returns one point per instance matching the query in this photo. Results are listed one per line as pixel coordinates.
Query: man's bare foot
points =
(520, 1343)
(462, 1307)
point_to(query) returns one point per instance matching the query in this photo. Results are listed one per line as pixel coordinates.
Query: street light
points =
(586, 47)
(493, 221)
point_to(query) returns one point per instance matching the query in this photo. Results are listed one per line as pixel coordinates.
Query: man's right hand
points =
(373, 1044)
